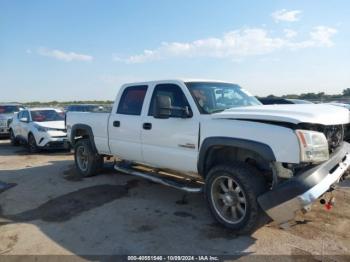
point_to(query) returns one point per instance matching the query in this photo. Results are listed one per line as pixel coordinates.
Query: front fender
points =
(87, 131)
(261, 149)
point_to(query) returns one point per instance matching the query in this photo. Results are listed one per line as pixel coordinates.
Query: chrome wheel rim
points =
(228, 199)
(82, 158)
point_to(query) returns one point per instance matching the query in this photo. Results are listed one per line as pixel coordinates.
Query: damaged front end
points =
(293, 192)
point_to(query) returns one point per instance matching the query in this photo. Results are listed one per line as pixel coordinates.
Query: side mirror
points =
(162, 106)
(24, 119)
(186, 112)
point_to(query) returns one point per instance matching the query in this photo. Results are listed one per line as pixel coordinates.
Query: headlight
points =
(41, 128)
(313, 146)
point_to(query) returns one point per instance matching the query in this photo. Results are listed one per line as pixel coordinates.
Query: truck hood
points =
(313, 113)
(52, 124)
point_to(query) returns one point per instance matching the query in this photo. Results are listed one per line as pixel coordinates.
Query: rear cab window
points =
(132, 99)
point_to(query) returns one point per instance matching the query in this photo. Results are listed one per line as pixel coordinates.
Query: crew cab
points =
(39, 128)
(249, 159)
(7, 111)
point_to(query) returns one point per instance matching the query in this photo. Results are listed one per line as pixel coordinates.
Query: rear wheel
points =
(232, 192)
(32, 145)
(13, 139)
(87, 161)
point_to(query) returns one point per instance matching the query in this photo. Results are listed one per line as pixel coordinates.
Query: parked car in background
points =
(347, 106)
(280, 101)
(212, 136)
(39, 128)
(7, 111)
(87, 108)
(347, 127)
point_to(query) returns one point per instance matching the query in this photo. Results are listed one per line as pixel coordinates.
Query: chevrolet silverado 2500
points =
(212, 136)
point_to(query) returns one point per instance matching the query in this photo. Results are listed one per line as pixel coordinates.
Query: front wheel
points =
(32, 145)
(87, 161)
(232, 192)
(13, 139)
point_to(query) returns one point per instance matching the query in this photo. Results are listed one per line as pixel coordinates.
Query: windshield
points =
(46, 115)
(216, 97)
(9, 109)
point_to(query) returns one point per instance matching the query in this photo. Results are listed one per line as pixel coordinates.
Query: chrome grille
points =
(334, 135)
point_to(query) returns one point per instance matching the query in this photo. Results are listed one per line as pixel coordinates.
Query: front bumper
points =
(57, 140)
(303, 189)
(58, 144)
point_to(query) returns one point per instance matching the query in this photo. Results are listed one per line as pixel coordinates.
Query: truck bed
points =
(98, 123)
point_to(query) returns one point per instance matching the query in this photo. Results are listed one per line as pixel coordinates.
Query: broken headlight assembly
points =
(313, 146)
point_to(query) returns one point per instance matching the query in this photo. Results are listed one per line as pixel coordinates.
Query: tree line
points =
(321, 96)
(317, 96)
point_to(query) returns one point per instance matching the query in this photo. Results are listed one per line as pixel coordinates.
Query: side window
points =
(178, 98)
(132, 100)
(25, 114)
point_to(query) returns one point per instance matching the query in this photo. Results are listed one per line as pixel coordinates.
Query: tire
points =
(234, 204)
(13, 139)
(32, 145)
(87, 162)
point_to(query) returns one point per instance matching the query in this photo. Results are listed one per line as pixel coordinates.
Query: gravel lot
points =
(51, 210)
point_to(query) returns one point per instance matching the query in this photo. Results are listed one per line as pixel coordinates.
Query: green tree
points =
(346, 92)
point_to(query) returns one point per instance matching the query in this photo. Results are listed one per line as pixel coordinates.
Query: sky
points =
(86, 49)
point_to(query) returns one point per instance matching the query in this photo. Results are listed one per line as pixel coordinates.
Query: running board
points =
(161, 180)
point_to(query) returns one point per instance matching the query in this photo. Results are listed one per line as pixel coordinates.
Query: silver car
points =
(6, 114)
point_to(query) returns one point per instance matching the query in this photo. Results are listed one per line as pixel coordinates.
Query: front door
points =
(24, 130)
(173, 142)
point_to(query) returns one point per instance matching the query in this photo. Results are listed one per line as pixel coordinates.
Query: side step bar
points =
(161, 180)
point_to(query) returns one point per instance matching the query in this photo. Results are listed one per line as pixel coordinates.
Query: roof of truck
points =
(179, 80)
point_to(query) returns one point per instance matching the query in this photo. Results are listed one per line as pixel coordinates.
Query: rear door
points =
(125, 123)
(171, 143)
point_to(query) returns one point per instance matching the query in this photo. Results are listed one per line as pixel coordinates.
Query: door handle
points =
(116, 123)
(147, 126)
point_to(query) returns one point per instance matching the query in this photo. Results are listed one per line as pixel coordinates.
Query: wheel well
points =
(83, 132)
(227, 154)
(80, 133)
(29, 134)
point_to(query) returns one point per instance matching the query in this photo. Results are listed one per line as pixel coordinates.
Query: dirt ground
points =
(49, 209)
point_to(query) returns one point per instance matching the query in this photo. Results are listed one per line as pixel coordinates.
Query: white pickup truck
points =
(212, 136)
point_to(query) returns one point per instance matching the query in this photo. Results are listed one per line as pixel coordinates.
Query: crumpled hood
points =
(52, 124)
(303, 113)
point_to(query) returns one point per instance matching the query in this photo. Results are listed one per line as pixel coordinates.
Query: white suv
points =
(40, 128)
